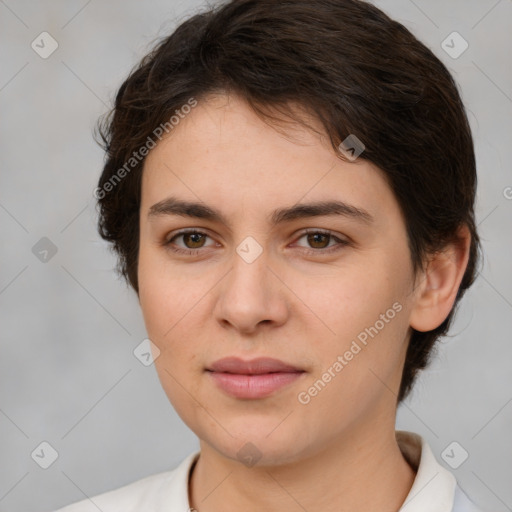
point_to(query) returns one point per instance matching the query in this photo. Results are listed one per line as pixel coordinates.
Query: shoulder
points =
(127, 498)
(148, 494)
(434, 487)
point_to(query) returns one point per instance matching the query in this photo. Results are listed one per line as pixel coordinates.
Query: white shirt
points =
(434, 489)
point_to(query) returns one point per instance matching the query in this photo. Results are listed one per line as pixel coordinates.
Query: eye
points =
(320, 240)
(192, 239)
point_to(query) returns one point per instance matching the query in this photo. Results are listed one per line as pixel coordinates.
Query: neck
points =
(362, 470)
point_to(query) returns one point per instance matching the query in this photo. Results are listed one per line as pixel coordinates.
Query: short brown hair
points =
(347, 63)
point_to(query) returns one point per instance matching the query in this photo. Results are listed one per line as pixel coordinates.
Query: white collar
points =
(432, 489)
(434, 486)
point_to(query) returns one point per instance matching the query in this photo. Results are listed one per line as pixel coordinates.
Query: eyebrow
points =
(175, 206)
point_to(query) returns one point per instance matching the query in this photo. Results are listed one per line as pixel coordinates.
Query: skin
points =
(338, 452)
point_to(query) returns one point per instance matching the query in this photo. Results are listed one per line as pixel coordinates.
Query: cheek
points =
(166, 295)
(349, 301)
(165, 317)
(169, 302)
(153, 298)
(363, 314)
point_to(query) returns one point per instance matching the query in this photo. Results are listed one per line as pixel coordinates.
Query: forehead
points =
(223, 153)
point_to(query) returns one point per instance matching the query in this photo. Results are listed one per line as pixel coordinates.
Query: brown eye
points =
(188, 242)
(193, 240)
(318, 240)
(322, 242)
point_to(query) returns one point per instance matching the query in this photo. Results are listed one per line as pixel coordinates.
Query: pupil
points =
(317, 238)
(196, 237)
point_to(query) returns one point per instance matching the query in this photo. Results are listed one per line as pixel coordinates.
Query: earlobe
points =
(439, 283)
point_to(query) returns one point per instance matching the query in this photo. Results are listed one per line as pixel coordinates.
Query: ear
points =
(437, 286)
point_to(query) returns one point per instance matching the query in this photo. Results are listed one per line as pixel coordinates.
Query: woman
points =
(282, 198)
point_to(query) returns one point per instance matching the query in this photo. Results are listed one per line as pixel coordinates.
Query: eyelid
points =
(167, 240)
(341, 242)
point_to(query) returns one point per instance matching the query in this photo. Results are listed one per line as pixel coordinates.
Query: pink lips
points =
(256, 378)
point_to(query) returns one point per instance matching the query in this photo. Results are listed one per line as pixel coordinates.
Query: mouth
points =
(257, 378)
(257, 366)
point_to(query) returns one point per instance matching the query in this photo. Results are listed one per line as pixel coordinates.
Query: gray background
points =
(69, 325)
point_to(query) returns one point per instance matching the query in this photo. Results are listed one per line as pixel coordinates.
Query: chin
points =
(254, 442)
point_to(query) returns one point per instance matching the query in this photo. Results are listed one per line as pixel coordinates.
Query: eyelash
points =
(194, 252)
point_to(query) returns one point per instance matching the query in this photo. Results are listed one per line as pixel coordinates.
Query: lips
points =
(256, 366)
(255, 379)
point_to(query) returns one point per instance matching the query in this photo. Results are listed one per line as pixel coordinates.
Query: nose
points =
(252, 294)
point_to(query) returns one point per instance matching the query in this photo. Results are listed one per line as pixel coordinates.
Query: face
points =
(252, 272)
